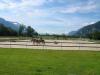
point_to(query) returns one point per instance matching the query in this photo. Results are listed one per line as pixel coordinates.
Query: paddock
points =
(50, 44)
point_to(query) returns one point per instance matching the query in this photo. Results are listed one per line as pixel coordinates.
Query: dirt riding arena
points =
(52, 44)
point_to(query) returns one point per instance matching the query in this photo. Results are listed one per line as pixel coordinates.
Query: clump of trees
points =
(27, 31)
(54, 36)
(95, 35)
(23, 31)
(31, 32)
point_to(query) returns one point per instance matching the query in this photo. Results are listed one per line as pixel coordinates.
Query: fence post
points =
(10, 42)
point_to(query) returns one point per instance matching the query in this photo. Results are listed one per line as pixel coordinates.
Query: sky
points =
(51, 16)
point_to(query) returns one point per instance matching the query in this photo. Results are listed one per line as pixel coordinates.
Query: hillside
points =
(8, 28)
(72, 33)
(84, 31)
(9, 24)
(5, 31)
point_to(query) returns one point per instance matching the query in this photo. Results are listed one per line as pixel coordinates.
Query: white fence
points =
(50, 44)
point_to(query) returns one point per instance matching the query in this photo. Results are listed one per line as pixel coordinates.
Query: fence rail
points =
(53, 42)
(51, 45)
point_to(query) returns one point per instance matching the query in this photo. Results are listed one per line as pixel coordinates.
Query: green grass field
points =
(48, 62)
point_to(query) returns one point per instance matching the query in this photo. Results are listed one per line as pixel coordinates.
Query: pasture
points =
(48, 62)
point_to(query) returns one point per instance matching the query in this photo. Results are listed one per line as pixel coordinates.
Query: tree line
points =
(22, 31)
(30, 32)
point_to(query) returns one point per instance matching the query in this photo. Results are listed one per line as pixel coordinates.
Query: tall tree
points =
(31, 32)
(21, 29)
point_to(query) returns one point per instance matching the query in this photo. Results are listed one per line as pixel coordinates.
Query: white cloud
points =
(88, 23)
(32, 2)
(9, 4)
(79, 9)
(89, 7)
(35, 12)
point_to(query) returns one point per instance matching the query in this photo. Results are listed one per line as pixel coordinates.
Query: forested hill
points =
(89, 29)
(5, 31)
(9, 24)
(8, 28)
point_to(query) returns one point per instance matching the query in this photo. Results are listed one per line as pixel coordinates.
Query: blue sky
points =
(51, 16)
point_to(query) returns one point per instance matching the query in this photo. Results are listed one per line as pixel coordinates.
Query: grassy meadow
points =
(48, 62)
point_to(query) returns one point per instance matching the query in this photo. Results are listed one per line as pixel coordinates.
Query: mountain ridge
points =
(9, 24)
(84, 31)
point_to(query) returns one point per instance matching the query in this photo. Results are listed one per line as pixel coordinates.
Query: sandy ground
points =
(62, 45)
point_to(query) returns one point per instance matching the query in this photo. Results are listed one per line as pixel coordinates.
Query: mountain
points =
(72, 33)
(5, 31)
(84, 31)
(8, 28)
(9, 24)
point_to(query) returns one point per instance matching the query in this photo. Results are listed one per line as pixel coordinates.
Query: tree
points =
(64, 36)
(31, 32)
(21, 29)
(35, 34)
(95, 35)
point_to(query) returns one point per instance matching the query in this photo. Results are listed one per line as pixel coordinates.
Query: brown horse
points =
(42, 41)
(34, 41)
(38, 41)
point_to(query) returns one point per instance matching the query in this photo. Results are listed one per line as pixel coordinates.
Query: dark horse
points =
(38, 41)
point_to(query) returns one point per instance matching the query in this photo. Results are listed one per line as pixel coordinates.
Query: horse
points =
(42, 41)
(38, 41)
(35, 41)
(55, 42)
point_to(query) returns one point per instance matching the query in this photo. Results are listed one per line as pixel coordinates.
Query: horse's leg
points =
(44, 43)
(39, 42)
(36, 42)
(33, 42)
